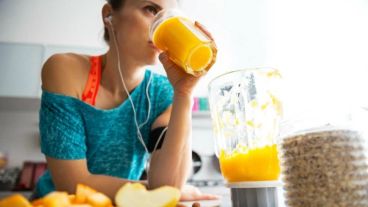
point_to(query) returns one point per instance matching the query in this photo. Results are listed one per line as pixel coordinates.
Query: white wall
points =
(57, 22)
(31, 31)
(320, 46)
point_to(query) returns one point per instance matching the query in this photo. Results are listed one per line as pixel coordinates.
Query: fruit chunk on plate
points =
(84, 197)
(136, 195)
(15, 200)
(130, 195)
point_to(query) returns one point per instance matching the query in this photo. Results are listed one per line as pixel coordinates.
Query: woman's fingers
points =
(166, 62)
(199, 197)
(209, 197)
(200, 26)
(193, 205)
(169, 65)
(191, 193)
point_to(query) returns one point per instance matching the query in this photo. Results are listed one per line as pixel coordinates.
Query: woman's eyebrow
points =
(153, 3)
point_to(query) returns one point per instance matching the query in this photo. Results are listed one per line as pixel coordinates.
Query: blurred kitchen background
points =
(320, 47)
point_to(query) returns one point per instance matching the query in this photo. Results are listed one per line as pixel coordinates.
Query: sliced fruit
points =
(85, 197)
(16, 200)
(71, 198)
(38, 203)
(99, 200)
(56, 199)
(82, 193)
(136, 195)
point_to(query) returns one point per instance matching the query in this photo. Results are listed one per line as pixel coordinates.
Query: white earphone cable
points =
(127, 92)
(138, 126)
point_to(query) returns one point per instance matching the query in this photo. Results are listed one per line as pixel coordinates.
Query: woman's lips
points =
(153, 46)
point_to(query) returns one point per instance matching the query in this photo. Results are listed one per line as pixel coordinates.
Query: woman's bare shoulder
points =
(65, 73)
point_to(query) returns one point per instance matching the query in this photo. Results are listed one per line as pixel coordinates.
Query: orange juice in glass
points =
(186, 44)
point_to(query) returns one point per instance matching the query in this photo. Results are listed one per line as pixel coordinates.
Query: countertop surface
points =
(225, 200)
(221, 191)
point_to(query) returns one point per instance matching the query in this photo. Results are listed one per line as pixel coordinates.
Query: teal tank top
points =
(71, 130)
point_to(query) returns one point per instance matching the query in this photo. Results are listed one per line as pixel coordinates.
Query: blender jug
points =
(245, 112)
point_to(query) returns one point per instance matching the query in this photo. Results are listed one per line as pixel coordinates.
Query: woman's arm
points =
(188, 193)
(171, 164)
(66, 174)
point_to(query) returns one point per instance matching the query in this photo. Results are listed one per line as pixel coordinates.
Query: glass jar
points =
(246, 112)
(324, 162)
(185, 43)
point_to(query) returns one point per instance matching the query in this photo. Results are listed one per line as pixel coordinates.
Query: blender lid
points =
(255, 184)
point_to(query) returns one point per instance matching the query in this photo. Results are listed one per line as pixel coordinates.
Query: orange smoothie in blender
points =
(187, 45)
(257, 164)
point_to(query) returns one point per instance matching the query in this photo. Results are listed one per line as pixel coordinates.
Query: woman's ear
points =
(107, 14)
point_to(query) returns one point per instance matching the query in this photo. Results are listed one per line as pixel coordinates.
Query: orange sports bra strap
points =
(93, 82)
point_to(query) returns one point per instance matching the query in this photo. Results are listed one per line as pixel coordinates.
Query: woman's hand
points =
(191, 193)
(182, 82)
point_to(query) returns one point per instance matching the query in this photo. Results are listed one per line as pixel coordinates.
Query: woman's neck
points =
(132, 72)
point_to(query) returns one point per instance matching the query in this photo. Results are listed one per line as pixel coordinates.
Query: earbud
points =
(108, 19)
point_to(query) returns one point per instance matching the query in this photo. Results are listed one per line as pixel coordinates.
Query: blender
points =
(246, 112)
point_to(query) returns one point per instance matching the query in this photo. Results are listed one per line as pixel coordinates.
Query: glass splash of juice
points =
(186, 44)
(244, 164)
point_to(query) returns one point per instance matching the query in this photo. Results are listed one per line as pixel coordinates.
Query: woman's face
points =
(132, 23)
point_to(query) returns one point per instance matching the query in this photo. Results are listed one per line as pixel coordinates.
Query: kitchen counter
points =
(225, 200)
(221, 191)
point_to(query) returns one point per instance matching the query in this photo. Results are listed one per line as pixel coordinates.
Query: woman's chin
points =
(153, 59)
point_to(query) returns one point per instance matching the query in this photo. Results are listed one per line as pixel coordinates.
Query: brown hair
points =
(116, 5)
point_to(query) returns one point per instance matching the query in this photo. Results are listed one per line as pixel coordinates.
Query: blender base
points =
(254, 194)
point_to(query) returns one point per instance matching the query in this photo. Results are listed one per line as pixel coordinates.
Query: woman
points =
(87, 122)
